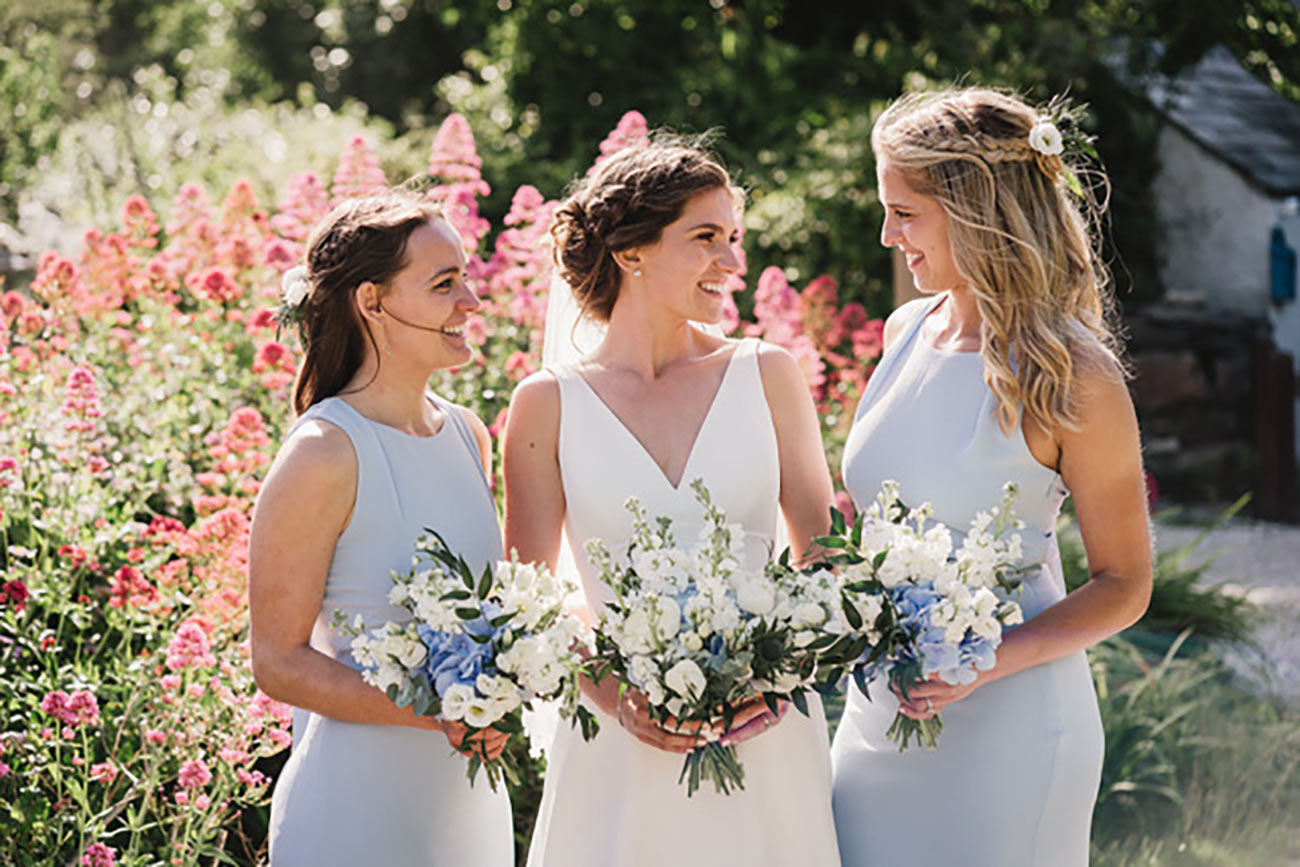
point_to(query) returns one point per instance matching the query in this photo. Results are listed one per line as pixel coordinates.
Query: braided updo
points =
(625, 202)
(359, 241)
(1026, 243)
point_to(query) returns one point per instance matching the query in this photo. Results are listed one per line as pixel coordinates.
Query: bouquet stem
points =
(926, 731)
(715, 762)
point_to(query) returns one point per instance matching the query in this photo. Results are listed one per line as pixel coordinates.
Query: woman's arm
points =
(1101, 464)
(302, 508)
(806, 490)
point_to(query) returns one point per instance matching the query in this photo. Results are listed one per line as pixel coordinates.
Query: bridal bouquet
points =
(699, 633)
(477, 650)
(917, 608)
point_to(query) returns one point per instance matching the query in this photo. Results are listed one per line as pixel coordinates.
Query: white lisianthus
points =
(692, 642)
(686, 679)
(1045, 138)
(456, 700)
(481, 713)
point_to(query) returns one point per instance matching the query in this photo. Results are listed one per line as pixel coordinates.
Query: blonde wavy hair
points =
(1025, 241)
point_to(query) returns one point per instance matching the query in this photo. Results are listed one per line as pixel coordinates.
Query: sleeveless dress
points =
(355, 793)
(1013, 780)
(615, 801)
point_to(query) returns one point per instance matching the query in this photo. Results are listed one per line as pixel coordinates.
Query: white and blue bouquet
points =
(918, 608)
(477, 650)
(700, 633)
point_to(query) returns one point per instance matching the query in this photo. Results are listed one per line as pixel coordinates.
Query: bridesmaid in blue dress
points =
(372, 460)
(1008, 371)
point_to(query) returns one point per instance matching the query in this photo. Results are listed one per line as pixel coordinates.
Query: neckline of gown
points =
(699, 432)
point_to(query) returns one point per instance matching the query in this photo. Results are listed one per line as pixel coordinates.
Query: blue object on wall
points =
(1282, 267)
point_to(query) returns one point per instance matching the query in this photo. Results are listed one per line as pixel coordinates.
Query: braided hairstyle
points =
(625, 202)
(1027, 245)
(359, 241)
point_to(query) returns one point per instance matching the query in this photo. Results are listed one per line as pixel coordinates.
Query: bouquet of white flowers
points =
(918, 608)
(699, 633)
(477, 651)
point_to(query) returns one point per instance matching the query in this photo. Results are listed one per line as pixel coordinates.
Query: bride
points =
(646, 243)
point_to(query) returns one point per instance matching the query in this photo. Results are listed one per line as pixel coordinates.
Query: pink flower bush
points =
(77, 709)
(194, 774)
(359, 173)
(98, 855)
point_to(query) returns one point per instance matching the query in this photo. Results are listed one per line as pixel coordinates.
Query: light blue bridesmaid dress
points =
(1013, 780)
(356, 794)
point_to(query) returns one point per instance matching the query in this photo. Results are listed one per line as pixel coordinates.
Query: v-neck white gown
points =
(615, 801)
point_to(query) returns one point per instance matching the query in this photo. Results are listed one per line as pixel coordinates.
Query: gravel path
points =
(1262, 562)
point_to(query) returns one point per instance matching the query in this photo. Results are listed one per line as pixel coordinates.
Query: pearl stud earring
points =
(636, 272)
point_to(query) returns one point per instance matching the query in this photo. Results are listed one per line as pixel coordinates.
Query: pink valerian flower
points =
(8, 466)
(265, 707)
(73, 554)
(631, 131)
(4, 770)
(305, 201)
(519, 365)
(98, 855)
(274, 364)
(139, 223)
(80, 400)
(281, 255)
(454, 157)
(190, 647)
(104, 772)
(56, 278)
(519, 270)
(244, 228)
(777, 308)
(12, 305)
(79, 708)
(129, 587)
(194, 774)
(155, 736)
(14, 593)
(359, 173)
(460, 207)
(237, 448)
(215, 285)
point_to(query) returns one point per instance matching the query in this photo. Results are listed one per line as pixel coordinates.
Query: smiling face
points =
(429, 300)
(687, 268)
(918, 225)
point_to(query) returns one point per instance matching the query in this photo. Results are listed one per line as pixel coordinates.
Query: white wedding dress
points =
(615, 801)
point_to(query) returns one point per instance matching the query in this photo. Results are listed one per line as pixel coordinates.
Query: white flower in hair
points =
(294, 286)
(1046, 139)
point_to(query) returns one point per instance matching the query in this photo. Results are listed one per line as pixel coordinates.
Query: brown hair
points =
(625, 202)
(1025, 241)
(360, 240)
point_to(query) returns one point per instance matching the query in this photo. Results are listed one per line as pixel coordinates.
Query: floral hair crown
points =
(294, 289)
(1058, 130)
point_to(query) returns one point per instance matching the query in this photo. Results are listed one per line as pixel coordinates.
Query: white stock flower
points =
(1046, 139)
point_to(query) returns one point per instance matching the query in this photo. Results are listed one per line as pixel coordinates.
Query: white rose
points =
(685, 679)
(294, 286)
(1046, 138)
(757, 596)
(809, 614)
